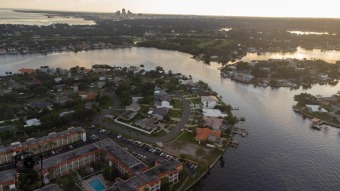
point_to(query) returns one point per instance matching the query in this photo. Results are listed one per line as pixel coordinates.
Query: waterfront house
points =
(213, 113)
(206, 134)
(147, 123)
(316, 108)
(208, 102)
(213, 122)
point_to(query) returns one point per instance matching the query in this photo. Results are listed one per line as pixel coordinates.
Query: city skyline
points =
(262, 8)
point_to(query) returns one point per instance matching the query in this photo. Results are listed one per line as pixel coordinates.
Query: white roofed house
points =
(316, 108)
(208, 102)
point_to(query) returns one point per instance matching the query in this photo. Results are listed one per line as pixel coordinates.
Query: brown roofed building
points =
(204, 134)
(88, 95)
(26, 70)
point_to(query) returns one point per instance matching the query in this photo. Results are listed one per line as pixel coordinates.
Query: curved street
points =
(127, 132)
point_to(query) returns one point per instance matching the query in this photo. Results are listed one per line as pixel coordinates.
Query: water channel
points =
(281, 151)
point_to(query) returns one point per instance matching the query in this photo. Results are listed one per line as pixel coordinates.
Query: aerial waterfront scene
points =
(127, 95)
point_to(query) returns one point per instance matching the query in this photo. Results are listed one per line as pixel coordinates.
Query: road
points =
(139, 136)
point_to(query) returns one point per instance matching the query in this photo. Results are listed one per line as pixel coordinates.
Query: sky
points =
(271, 8)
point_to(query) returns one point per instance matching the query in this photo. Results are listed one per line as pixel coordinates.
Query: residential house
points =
(166, 104)
(213, 113)
(316, 108)
(159, 113)
(208, 102)
(215, 123)
(41, 105)
(206, 134)
(88, 95)
(128, 115)
(91, 105)
(32, 122)
(134, 106)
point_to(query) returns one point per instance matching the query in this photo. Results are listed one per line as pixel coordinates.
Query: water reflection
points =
(12, 17)
(330, 56)
(309, 33)
(226, 29)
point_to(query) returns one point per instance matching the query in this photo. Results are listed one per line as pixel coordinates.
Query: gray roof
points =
(151, 175)
(6, 176)
(61, 158)
(118, 152)
(51, 187)
(40, 105)
(162, 111)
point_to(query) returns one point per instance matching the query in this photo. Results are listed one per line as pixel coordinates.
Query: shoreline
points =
(214, 163)
(299, 111)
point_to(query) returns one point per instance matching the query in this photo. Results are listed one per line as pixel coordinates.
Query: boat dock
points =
(240, 131)
(233, 143)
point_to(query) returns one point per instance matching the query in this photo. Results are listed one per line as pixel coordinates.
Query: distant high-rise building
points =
(118, 13)
(123, 12)
(129, 12)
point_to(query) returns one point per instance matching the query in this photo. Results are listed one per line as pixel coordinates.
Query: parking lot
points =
(145, 152)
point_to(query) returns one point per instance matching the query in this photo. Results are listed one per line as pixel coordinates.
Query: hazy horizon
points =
(248, 8)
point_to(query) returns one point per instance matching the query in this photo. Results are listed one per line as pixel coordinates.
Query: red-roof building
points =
(204, 134)
(26, 70)
(88, 95)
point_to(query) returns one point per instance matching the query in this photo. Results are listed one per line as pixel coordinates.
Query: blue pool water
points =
(96, 184)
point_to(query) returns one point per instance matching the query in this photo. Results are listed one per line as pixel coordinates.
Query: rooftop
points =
(149, 176)
(40, 140)
(204, 133)
(61, 158)
(118, 152)
(209, 98)
(51, 187)
(7, 176)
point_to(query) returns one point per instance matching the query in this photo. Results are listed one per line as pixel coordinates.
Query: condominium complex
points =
(105, 151)
(42, 144)
(152, 178)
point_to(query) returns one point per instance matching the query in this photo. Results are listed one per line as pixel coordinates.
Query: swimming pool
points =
(96, 184)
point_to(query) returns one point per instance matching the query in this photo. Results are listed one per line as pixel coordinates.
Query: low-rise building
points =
(152, 178)
(42, 144)
(209, 102)
(206, 134)
(213, 113)
(213, 122)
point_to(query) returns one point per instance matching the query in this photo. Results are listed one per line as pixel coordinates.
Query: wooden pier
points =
(233, 143)
(240, 131)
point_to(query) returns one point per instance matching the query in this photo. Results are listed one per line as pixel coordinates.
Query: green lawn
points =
(196, 100)
(177, 104)
(176, 113)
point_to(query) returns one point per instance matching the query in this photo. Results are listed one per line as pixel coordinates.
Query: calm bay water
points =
(281, 152)
(330, 56)
(12, 17)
